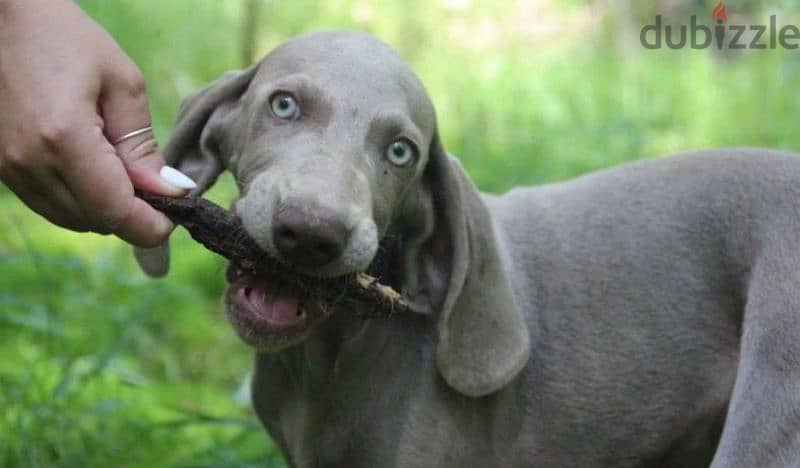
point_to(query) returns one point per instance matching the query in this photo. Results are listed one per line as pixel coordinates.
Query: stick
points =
(222, 232)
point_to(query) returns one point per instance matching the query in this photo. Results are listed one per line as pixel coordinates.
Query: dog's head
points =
(332, 141)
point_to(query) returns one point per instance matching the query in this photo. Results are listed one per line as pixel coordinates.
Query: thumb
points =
(127, 125)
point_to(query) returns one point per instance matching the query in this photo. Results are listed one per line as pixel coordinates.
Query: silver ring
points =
(132, 134)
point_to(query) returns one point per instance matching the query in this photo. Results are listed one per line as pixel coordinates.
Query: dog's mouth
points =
(267, 313)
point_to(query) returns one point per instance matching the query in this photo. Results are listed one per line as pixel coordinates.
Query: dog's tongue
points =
(277, 308)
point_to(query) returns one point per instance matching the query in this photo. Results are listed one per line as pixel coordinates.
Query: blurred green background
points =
(100, 366)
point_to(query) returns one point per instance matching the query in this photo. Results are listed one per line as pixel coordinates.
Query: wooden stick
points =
(222, 232)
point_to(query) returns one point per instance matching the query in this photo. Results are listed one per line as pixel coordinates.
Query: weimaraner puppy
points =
(642, 316)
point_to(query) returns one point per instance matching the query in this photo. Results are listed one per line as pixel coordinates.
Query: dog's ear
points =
(483, 339)
(198, 146)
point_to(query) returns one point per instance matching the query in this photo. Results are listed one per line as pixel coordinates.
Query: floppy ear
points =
(198, 146)
(483, 338)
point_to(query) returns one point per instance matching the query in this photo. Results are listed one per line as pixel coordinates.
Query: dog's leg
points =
(762, 428)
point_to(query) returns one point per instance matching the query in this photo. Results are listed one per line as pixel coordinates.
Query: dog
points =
(641, 316)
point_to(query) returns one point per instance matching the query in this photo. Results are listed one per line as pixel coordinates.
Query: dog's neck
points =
(319, 399)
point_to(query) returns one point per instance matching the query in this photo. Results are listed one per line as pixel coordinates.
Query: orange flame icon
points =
(719, 14)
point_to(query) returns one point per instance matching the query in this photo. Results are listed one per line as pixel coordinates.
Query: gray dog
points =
(643, 316)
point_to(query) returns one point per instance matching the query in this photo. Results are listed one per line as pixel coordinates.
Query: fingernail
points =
(176, 178)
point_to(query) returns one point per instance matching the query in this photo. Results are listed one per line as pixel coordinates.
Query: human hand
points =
(67, 91)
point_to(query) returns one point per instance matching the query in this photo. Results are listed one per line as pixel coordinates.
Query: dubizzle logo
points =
(700, 36)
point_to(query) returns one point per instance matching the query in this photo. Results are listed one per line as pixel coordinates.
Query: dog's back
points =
(635, 281)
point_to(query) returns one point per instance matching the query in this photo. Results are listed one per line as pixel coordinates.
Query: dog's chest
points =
(351, 405)
(380, 427)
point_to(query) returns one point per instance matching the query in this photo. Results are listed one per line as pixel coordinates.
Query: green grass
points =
(100, 366)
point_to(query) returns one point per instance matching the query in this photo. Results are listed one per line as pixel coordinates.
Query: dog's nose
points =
(308, 237)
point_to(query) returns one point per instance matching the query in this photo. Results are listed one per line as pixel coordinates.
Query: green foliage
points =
(100, 366)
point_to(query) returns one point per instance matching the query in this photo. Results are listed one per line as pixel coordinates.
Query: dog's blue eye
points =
(284, 106)
(400, 152)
